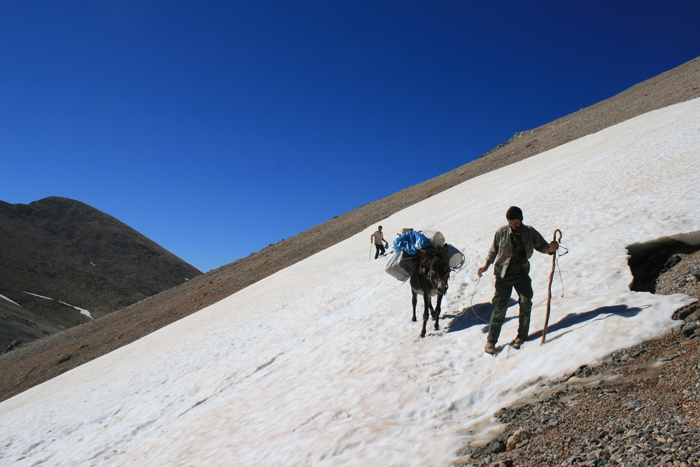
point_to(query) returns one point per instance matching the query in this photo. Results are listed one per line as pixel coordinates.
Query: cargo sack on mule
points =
(406, 246)
(455, 258)
(405, 259)
(436, 238)
(402, 265)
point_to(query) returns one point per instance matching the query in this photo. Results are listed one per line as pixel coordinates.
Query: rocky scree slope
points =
(46, 358)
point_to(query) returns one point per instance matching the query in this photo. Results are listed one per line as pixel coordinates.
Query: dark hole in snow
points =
(649, 260)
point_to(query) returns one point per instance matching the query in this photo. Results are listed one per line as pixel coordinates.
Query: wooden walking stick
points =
(370, 251)
(549, 293)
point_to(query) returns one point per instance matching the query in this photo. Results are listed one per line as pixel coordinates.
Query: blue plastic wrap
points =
(410, 241)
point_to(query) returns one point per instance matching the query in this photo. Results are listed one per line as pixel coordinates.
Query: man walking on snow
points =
(378, 239)
(510, 252)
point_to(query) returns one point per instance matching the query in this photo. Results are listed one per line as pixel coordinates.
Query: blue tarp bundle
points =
(410, 241)
(405, 258)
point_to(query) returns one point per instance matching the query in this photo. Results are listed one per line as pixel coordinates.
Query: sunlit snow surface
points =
(320, 364)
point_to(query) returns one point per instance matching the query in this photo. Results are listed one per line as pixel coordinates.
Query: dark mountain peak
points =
(72, 253)
(51, 207)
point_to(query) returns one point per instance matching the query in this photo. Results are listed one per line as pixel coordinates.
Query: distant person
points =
(379, 241)
(510, 252)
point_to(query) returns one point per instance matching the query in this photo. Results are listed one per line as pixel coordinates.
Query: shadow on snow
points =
(474, 316)
(480, 314)
(572, 319)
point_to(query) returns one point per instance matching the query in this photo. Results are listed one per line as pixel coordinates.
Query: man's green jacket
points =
(502, 248)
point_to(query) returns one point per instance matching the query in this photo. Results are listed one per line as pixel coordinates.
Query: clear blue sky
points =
(218, 128)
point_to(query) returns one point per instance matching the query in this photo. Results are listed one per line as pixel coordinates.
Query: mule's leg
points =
(432, 310)
(414, 301)
(426, 310)
(437, 312)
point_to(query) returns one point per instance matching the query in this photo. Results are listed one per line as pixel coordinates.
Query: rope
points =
(559, 269)
(561, 278)
(471, 302)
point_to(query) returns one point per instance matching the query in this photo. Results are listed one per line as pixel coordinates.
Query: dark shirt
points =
(518, 260)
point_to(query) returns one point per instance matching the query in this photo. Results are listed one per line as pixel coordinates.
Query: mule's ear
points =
(443, 251)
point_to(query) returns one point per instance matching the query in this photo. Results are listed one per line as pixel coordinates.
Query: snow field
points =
(319, 364)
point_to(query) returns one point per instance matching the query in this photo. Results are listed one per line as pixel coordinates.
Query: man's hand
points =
(483, 269)
(553, 246)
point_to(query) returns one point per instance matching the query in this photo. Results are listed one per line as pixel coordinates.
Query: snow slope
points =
(320, 364)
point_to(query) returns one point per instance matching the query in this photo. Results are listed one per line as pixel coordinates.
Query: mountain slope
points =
(320, 364)
(46, 358)
(66, 263)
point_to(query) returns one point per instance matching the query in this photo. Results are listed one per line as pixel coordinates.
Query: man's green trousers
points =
(504, 288)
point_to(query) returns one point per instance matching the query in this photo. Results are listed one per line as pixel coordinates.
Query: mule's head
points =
(435, 267)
